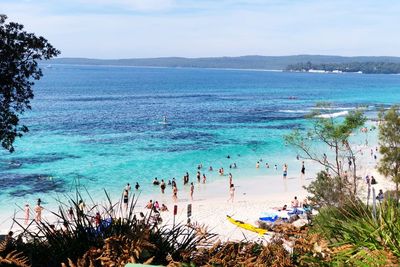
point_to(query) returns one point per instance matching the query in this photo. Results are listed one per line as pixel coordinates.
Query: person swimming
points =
(137, 186)
(155, 181)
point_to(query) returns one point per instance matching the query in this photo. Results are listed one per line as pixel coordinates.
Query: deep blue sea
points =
(100, 126)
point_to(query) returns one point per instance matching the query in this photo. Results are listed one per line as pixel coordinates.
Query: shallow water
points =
(101, 126)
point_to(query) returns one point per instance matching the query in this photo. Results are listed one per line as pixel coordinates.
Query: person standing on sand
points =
(175, 193)
(191, 191)
(285, 168)
(303, 170)
(257, 165)
(204, 178)
(230, 179)
(231, 193)
(27, 210)
(38, 211)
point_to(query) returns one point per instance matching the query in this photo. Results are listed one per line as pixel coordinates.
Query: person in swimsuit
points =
(38, 211)
(137, 186)
(27, 210)
(162, 186)
(126, 198)
(285, 167)
(204, 178)
(198, 177)
(303, 170)
(231, 193)
(175, 193)
(191, 191)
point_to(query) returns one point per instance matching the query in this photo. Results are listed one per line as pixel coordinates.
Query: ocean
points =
(101, 126)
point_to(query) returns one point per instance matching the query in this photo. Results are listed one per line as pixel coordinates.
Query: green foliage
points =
(19, 55)
(335, 134)
(364, 67)
(359, 239)
(389, 142)
(326, 190)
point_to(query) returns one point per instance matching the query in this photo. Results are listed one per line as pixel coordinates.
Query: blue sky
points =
(200, 28)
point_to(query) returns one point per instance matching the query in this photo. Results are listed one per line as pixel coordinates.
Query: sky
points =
(210, 28)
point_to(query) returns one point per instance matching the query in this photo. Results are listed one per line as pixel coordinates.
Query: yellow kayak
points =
(247, 226)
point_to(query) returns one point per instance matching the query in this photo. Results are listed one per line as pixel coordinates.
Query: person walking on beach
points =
(191, 191)
(231, 193)
(285, 167)
(175, 193)
(38, 211)
(303, 170)
(27, 210)
(162, 186)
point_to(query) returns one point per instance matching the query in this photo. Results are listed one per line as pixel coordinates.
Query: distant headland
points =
(306, 63)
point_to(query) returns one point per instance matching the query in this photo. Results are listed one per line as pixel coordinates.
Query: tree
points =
(20, 53)
(389, 145)
(335, 134)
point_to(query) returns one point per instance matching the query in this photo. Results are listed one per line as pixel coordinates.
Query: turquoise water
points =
(100, 126)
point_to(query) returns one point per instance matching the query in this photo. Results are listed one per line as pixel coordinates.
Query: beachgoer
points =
(169, 182)
(234, 165)
(295, 203)
(156, 205)
(230, 179)
(163, 208)
(297, 157)
(142, 218)
(198, 177)
(162, 186)
(175, 193)
(71, 213)
(126, 198)
(149, 204)
(373, 181)
(231, 193)
(27, 210)
(155, 181)
(204, 178)
(191, 191)
(380, 195)
(367, 180)
(375, 156)
(137, 186)
(257, 165)
(267, 165)
(303, 169)
(128, 187)
(228, 157)
(97, 219)
(284, 207)
(173, 182)
(81, 205)
(285, 168)
(210, 169)
(38, 211)
(39, 201)
(276, 167)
